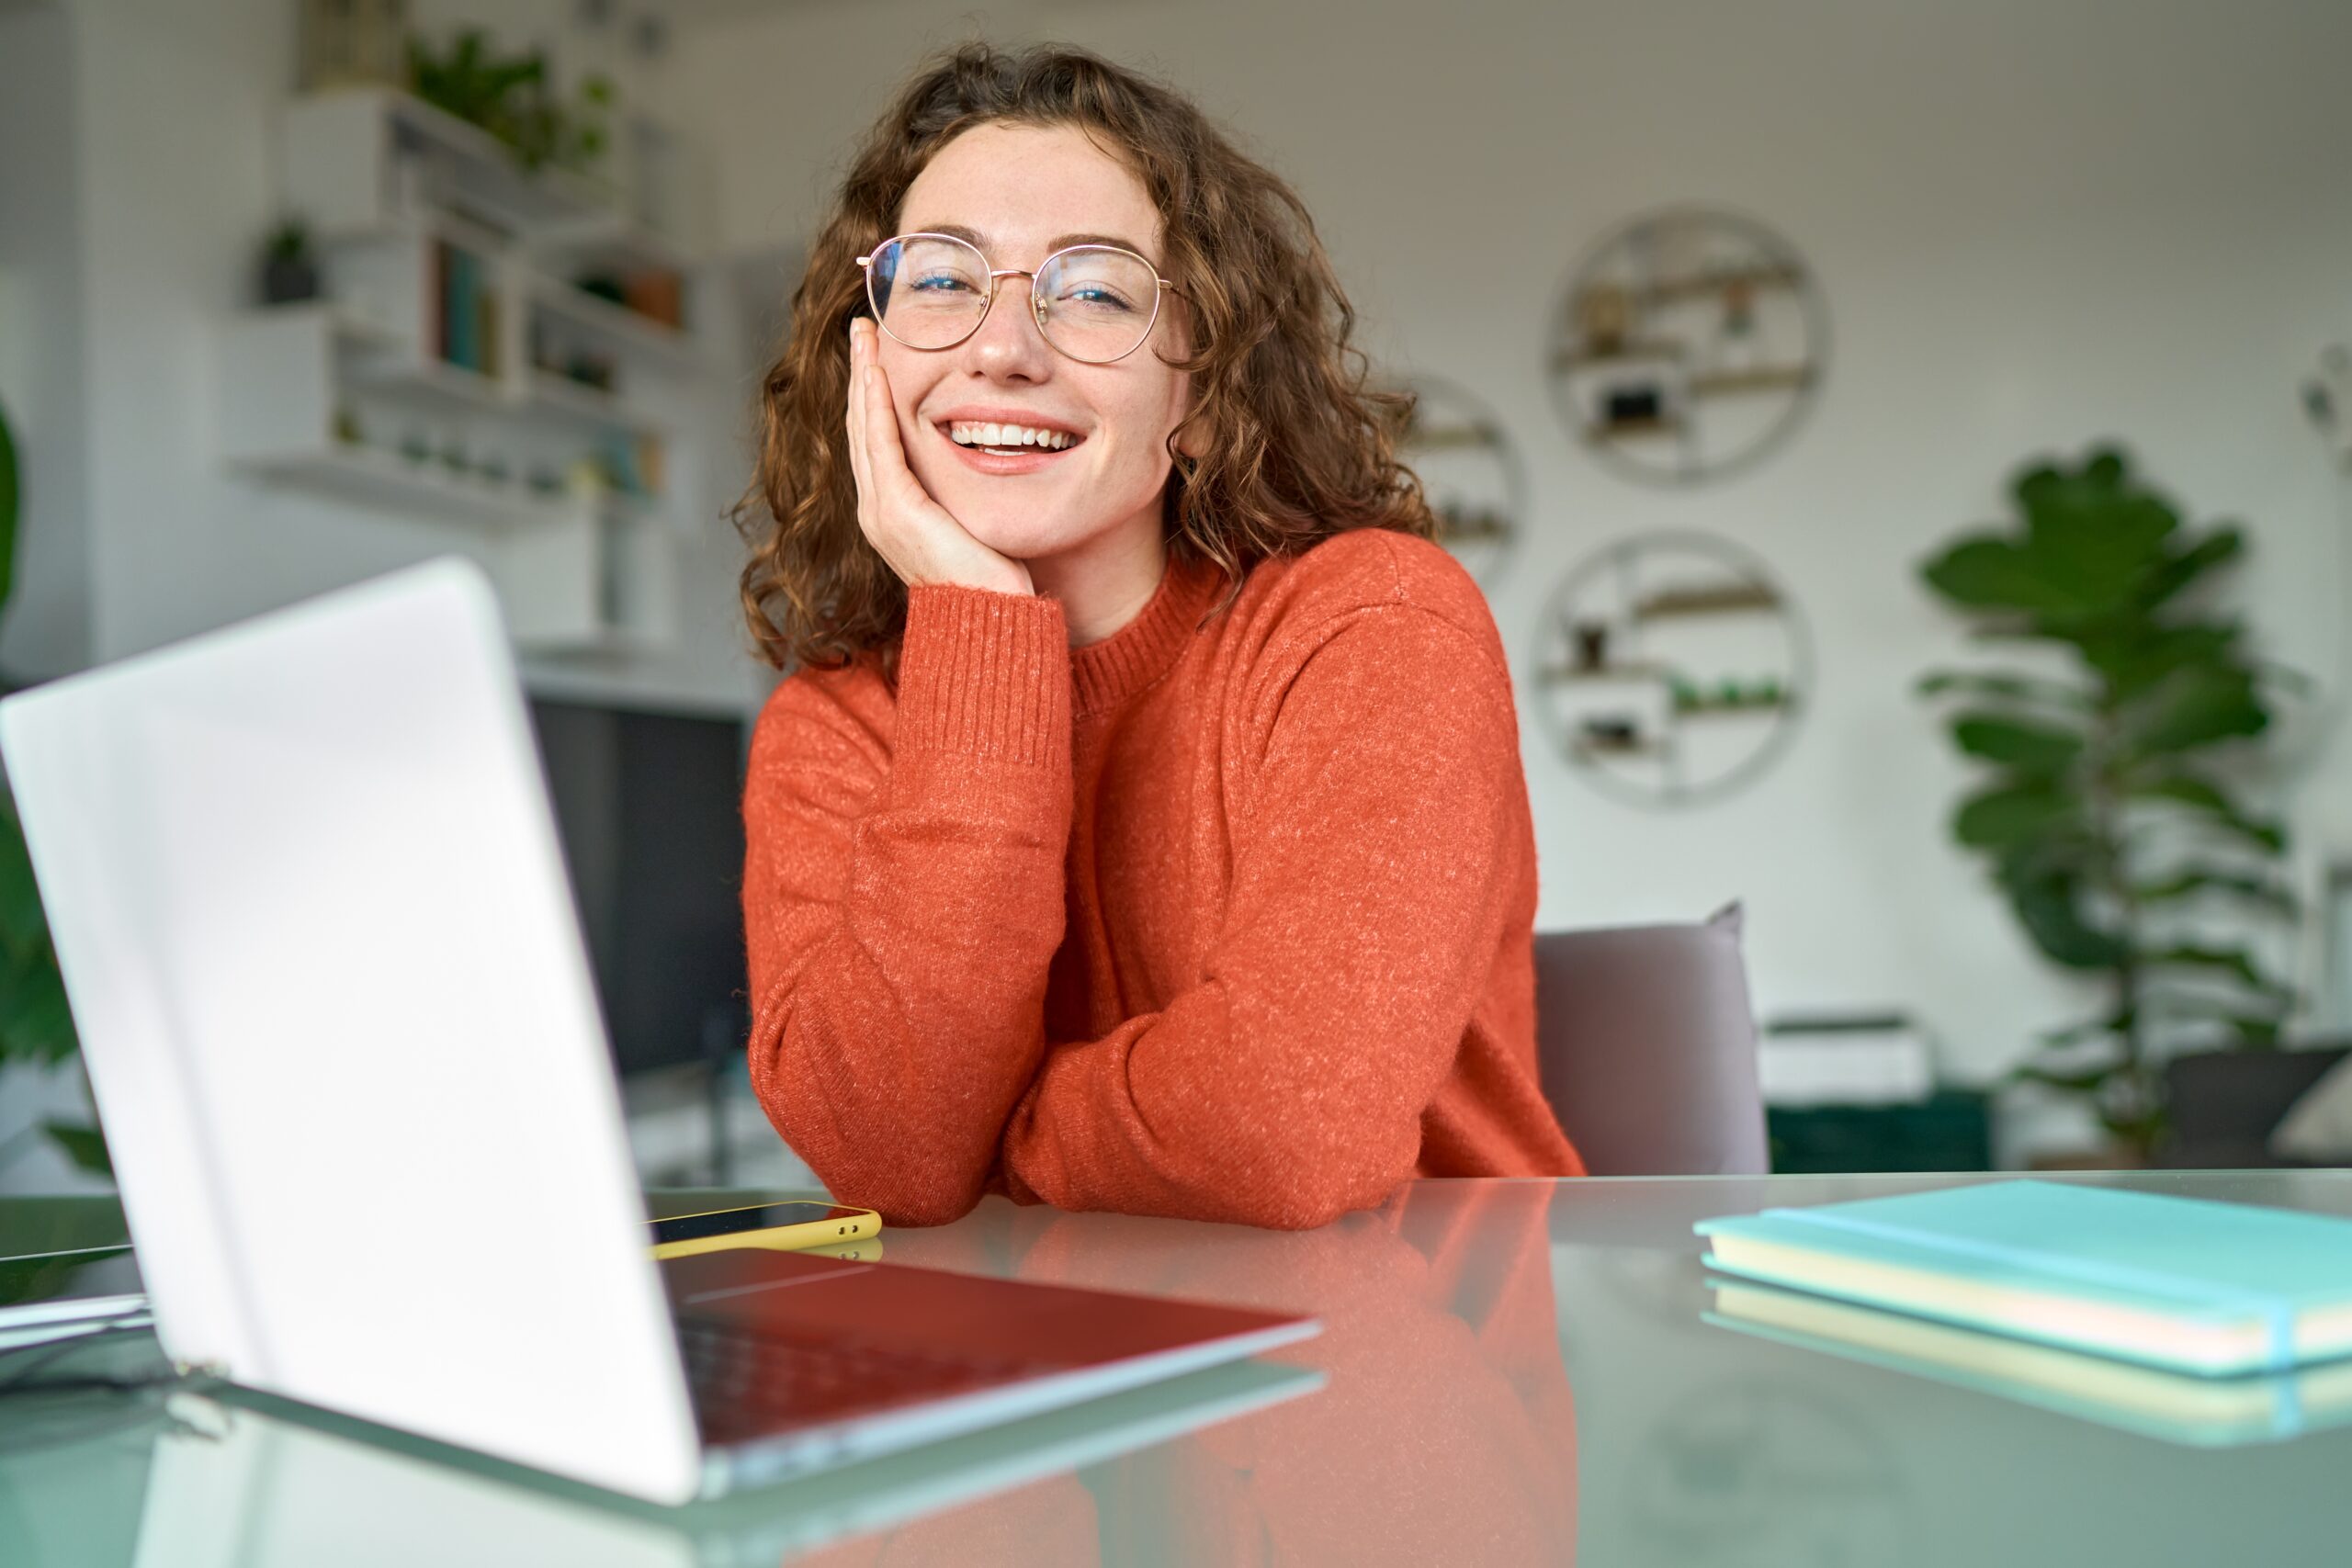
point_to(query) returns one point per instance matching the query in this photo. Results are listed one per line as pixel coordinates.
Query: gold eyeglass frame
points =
(1038, 306)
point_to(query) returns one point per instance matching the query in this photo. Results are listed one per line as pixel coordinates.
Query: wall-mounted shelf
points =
(1451, 437)
(346, 149)
(405, 369)
(1576, 356)
(455, 372)
(370, 476)
(1649, 637)
(1470, 472)
(1718, 282)
(1642, 673)
(1704, 326)
(1727, 710)
(622, 325)
(593, 405)
(1765, 378)
(1644, 746)
(1733, 598)
(1633, 430)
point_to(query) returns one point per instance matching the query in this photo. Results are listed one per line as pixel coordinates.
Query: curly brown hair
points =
(1296, 446)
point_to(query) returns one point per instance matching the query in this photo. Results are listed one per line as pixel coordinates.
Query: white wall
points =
(2037, 222)
(41, 384)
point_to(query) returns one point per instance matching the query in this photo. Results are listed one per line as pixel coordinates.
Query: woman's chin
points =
(1019, 538)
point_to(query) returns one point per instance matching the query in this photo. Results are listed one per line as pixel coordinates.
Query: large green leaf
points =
(2136, 656)
(23, 927)
(2196, 708)
(2199, 879)
(2013, 688)
(2222, 545)
(2086, 1081)
(1990, 573)
(2031, 746)
(2235, 962)
(2094, 531)
(2010, 813)
(2052, 910)
(35, 1024)
(2202, 796)
(85, 1145)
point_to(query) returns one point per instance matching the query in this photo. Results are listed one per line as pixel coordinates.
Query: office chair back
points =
(1646, 1046)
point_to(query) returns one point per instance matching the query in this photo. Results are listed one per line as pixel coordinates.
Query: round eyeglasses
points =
(1094, 303)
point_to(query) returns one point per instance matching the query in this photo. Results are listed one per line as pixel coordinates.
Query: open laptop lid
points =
(314, 924)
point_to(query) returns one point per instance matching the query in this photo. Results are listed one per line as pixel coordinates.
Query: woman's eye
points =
(1098, 297)
(939, 284)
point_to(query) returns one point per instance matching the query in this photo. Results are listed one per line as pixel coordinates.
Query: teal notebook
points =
(2213, 1289)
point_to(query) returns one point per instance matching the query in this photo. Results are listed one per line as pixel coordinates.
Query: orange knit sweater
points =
(1227, 921)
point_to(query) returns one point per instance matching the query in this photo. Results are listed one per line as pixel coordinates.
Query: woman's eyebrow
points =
(1061, 242)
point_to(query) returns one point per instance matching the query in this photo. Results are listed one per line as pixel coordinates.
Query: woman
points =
(1143, 826)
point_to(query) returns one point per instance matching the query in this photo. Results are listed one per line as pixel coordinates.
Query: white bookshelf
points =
(456, 373)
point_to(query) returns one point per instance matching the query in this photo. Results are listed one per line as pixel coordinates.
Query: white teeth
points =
(972, 433)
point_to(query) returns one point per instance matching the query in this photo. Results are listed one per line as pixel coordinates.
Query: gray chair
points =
(1647, 1046)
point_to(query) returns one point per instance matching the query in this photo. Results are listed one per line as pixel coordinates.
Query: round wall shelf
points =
(1690, 345)
(1673, 669)
(1471, 472)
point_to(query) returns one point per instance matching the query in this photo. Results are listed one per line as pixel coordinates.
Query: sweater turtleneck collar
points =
(1105, 673)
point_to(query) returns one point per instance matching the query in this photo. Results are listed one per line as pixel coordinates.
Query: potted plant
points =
(36, 1026)
(510, 98)
(2111, 812)
(290, 271)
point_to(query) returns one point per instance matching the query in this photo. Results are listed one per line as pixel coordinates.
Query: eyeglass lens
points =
(930, 292)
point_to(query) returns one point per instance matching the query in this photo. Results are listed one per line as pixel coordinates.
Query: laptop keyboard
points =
(766, 1377)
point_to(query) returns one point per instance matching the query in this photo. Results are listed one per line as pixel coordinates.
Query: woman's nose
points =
(1009, 342)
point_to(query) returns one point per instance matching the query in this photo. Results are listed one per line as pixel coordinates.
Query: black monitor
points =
(649, 807)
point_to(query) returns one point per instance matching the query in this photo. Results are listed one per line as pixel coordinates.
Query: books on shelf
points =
(466, 314)
(2209, 1288)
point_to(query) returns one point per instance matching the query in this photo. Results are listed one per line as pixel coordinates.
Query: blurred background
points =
(1903, 445)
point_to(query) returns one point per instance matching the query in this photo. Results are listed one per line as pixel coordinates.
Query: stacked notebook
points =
(2175, 1316)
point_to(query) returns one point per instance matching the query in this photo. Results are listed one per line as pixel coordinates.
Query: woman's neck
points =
(1105, 583)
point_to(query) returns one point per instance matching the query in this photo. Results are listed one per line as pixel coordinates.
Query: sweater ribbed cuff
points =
(986, 674)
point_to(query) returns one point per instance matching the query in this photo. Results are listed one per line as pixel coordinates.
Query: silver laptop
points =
(313, 916)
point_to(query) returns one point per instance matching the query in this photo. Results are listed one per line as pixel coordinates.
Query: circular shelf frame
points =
(1632, 373)
(1732, 580)
(1466, 422)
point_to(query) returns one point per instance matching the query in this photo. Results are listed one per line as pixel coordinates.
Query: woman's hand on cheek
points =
(914, 533)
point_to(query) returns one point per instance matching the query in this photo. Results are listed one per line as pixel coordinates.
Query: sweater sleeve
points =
(902, 902)
(1375, 863)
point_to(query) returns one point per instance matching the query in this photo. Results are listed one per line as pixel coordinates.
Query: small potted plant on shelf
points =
(289, 269)
(510, 96)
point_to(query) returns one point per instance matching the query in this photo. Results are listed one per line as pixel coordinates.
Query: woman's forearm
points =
(903, 904)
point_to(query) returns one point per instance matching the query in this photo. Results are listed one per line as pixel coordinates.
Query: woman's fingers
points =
(856, 416)
(886, 453)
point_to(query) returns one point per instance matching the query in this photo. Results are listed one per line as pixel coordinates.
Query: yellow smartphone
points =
(784, 1227)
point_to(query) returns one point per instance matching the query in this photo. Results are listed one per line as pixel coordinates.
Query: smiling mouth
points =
(1009, 441)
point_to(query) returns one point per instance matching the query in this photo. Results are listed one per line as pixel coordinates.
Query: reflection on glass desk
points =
(1512, 1372)
(2208, 1412)
(252, 1484)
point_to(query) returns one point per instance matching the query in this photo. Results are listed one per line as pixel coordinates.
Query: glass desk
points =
(1510, 1372)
